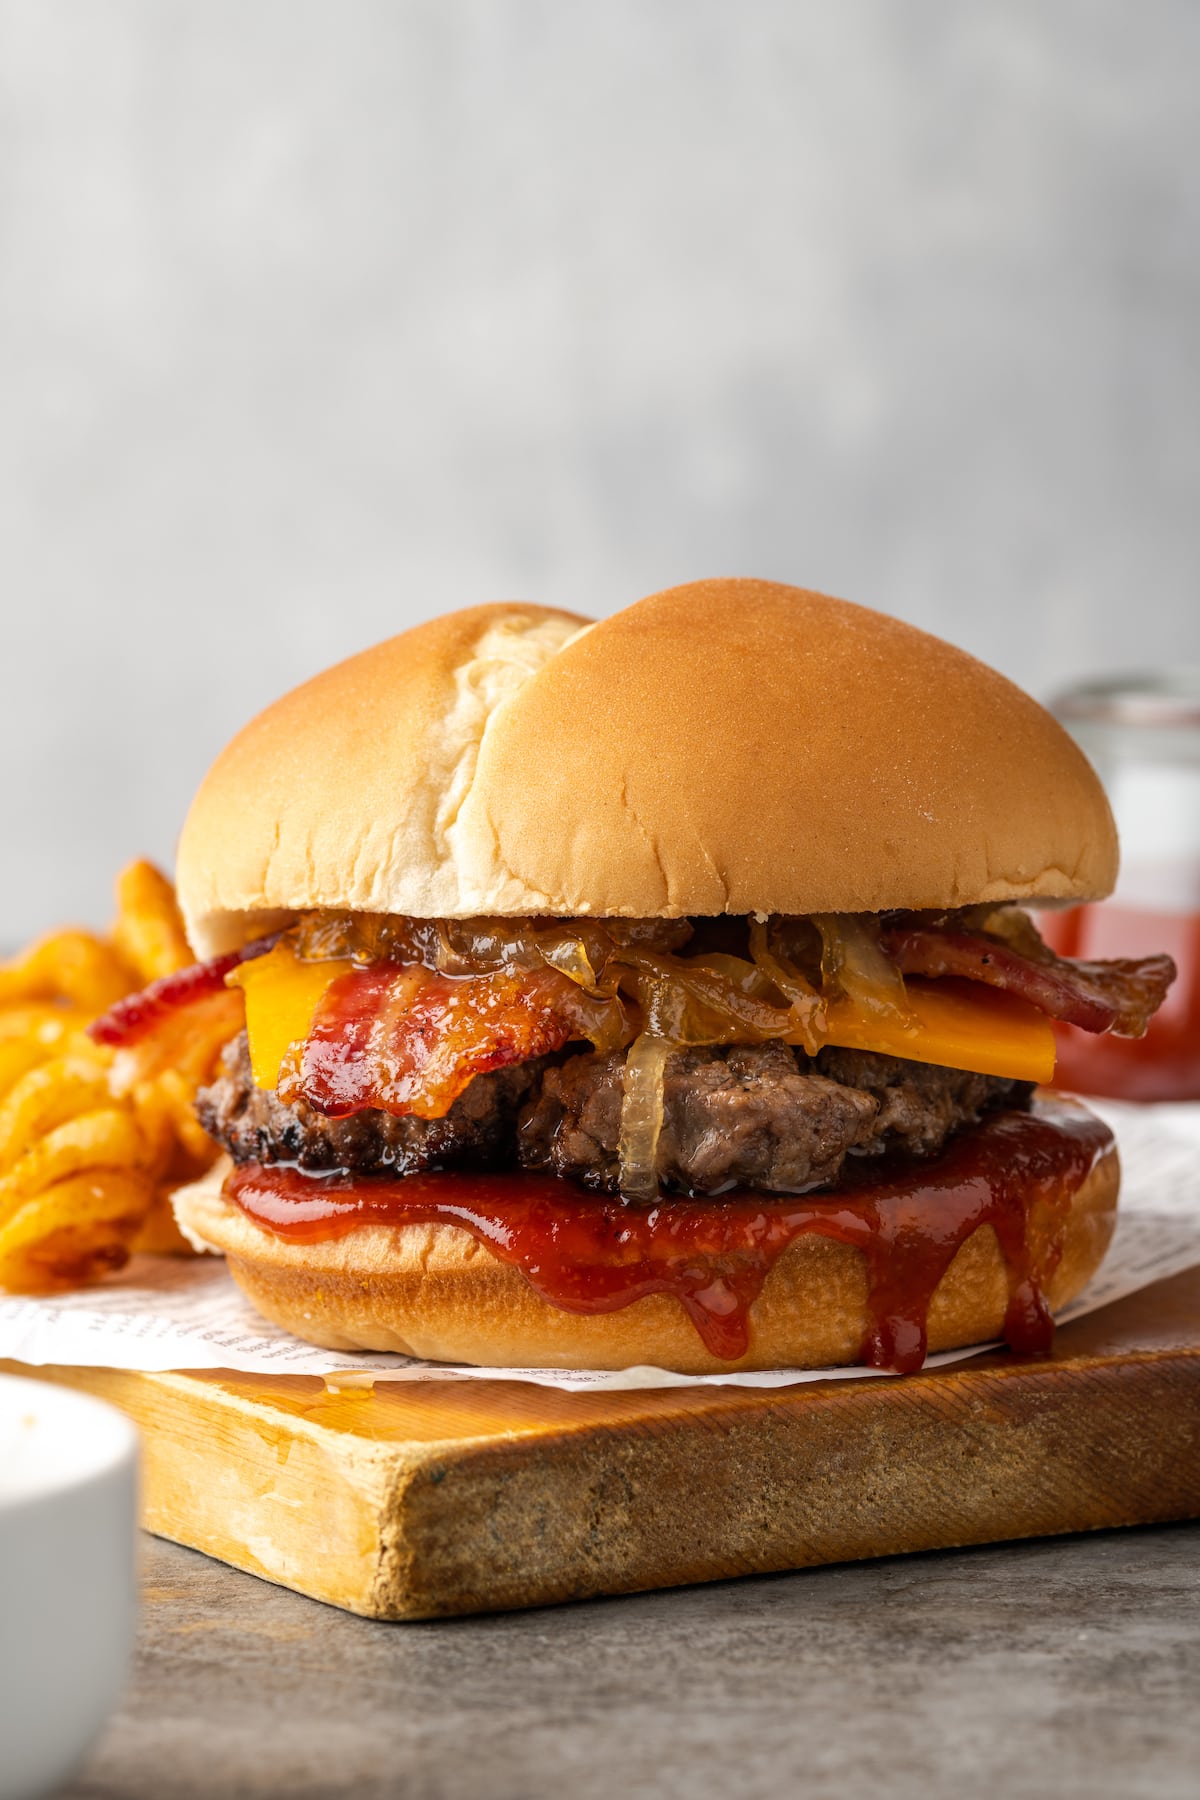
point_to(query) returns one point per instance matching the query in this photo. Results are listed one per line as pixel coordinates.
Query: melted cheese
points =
(958, 1024)
(281, 998)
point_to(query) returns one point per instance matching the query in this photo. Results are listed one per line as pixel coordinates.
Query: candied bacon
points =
(401, 1038)
(1120, 996)
(135, 1017)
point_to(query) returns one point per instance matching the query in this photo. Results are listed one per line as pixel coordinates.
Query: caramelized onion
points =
(705, 1000)
(805, 1004)
(642, 1116)
(476, 946)
(853, 963)
(718, 997)
(570, 957)
(1014, 925)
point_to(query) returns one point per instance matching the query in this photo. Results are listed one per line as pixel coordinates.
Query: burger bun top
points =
(730, 746)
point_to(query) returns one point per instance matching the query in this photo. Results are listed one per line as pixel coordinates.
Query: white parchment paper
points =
(170, 1313)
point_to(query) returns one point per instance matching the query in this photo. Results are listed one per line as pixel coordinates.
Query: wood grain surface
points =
(423, 1499)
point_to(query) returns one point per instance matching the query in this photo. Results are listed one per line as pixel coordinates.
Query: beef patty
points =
(762, 1116)
(255, 1125)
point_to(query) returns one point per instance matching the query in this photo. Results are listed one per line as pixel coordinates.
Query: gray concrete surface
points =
(1058, 1668)
(319, 319)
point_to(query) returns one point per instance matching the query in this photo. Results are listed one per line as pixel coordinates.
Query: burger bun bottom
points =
(434, 1292)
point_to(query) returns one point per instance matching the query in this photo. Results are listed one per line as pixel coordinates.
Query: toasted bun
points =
(434, 1291)
(729, 746)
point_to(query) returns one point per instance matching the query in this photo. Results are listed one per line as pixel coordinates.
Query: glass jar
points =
(1142, 735)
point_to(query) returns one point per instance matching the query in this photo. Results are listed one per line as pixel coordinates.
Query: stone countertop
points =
(1065, 1667)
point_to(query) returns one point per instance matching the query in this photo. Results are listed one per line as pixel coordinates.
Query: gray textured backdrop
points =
(318, 318)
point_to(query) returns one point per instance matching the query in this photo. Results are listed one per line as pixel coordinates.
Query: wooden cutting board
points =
(429, 1498)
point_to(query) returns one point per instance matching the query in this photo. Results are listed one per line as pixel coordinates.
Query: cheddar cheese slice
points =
(958, 1025)
(281, 998)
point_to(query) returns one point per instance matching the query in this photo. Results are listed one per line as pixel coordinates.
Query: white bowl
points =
(68, 1601)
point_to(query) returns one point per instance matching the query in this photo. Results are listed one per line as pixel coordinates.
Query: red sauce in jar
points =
(589, 1254)
(1163, 1065)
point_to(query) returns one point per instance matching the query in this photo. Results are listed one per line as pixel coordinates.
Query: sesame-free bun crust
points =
(729, 746)
(435, 1292)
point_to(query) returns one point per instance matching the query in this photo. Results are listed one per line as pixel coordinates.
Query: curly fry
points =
(108, 1138)
(149, 932)
(73, 1231)
(159, 1235)
(90, 1151)
(46, 1097)
(168, 1101)
(69, 965)
(17, 1057)
(43, 1022)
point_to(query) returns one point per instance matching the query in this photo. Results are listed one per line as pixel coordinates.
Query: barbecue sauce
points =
(589, 1254)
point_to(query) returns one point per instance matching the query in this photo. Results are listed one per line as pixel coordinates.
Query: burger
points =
(652, 991)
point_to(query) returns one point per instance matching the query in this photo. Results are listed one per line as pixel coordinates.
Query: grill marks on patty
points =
(761, 1116)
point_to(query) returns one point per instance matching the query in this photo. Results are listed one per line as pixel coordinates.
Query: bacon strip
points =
(1120, 996)
(135, 1017)
(399, 1037)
